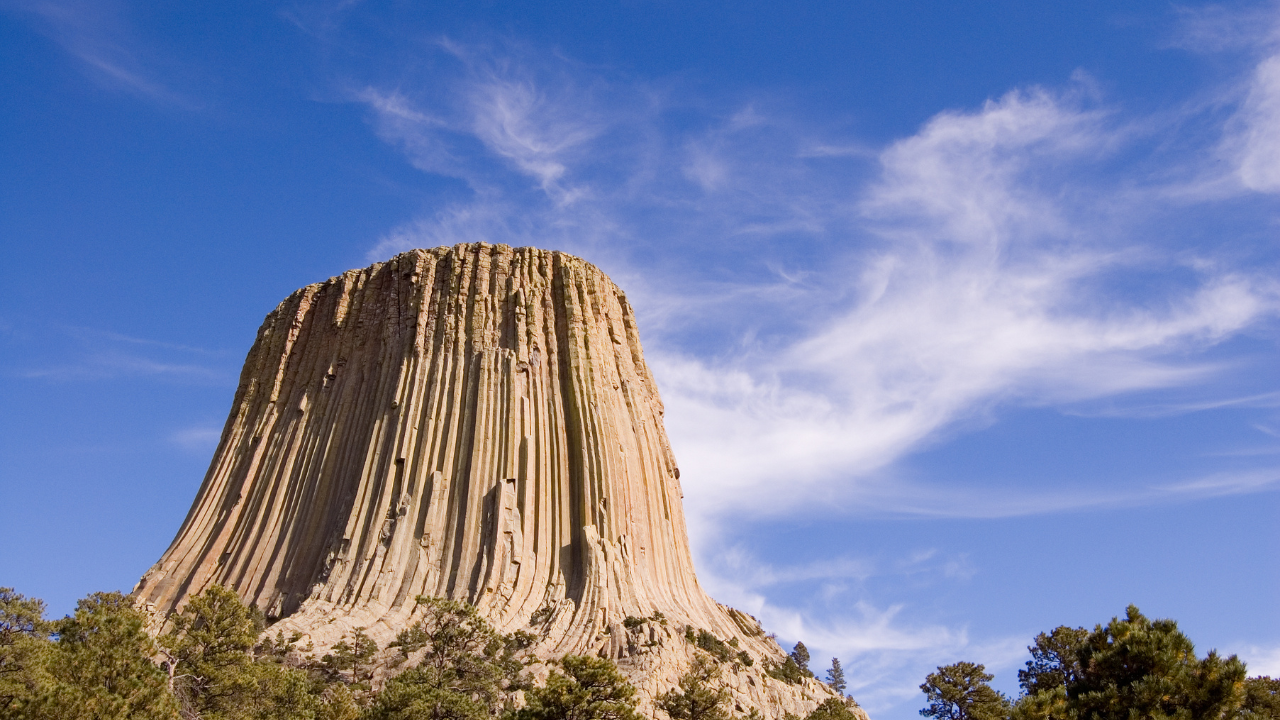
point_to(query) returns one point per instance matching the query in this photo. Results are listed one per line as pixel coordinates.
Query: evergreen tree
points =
(101, 666)
(801, 655)
(833, 709)
(215, 676)
(1260, 699)
(835, 676)
(465, 667)
(961, 692)
(1055, 660)
(24, 644)
(1044, 705)
(208, 653)
(1136, 667)
(354, 656)
(701, 695)
(590, 688)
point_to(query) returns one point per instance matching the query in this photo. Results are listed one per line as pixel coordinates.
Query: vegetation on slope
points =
(216, 664)
(1132, 668)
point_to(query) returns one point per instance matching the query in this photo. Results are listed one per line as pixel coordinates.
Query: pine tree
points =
(701, 695)
(353, 656)
(961, 692)
(590, 688)
(834, 709)
(465, 667)
(208, 653)
(101, 666)
(1261, 699)
(24, 645)
(1137, 667)
(835, 676)
(215, 676)
(1055, 660)
(801, 655)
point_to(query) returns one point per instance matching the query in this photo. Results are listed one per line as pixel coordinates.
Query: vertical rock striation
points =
(474, 422)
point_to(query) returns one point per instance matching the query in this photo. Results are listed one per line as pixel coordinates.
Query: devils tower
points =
(476, 423)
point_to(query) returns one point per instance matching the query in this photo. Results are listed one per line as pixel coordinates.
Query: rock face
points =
(476, 423)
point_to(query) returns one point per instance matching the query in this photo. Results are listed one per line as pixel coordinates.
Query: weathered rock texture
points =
(476, 423)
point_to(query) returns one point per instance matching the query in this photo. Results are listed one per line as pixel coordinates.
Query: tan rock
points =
(476, 423)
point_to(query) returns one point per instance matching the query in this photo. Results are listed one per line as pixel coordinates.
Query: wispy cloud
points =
(108, 364)
(201, 439)
(1221, 27)
(884, 650)
(1251, 139)
(98, 36)
(979, 262)
(1261, 661)
(977, 296)
(1256, 140)
(92, 354)
(1170, 409)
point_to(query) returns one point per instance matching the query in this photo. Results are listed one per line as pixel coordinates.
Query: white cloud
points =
(495, 108)
(517, 121)
(885, 651)
(1219, 27)
(96, 34)
(1259, 136)
(849, 306)
(981, 265)
(1261, 661)
(986, 290)
(1251, 140)
(966, 174)
(474, 222)
(91, 354)
(201, 439)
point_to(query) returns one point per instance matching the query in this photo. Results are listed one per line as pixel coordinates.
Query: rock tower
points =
(476, 423)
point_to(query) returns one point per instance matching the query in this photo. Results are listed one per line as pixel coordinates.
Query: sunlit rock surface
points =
(476, 423)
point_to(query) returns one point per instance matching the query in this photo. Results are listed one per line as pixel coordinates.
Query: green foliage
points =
(280, 649)
(833, 709)
(101, 667)
(835, 676)
(745, 659)
(354, 657)
(466, 667)
(632, 622)
(337, 702)
(801, 655)
(718, 648)
(220, 671)
(787, 671)
(1048, 704)
(701, 695)
(1139, 667)
(590, 688)
(208, 653)
(961, 692)
(1260, 699)
(24, 643)
(1132, 668)
(1055, 660)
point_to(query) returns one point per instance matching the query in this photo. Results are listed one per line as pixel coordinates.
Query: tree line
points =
(1132, 668)
(217, 663)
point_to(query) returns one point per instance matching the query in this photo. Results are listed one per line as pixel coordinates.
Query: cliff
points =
(476, 423)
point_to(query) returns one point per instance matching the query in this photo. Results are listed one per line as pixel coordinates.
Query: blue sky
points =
(965, 314)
